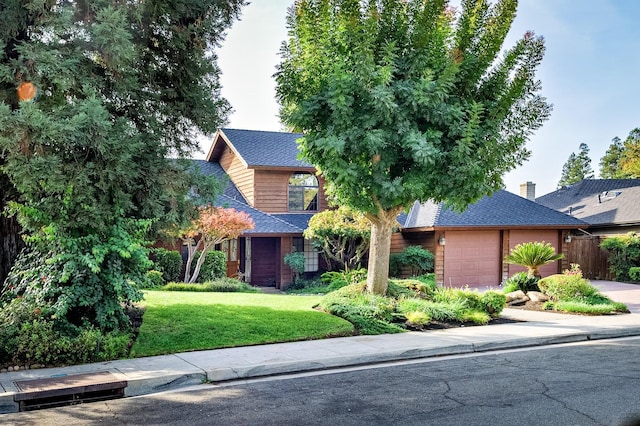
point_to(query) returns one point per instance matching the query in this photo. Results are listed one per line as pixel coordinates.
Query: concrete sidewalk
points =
(160, 373)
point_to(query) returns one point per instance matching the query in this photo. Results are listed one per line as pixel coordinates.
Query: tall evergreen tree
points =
(404, 100)
(94, 97)
(577, 167)
(630, 158)
(610, 161)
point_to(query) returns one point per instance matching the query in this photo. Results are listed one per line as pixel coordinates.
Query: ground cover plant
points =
(567, 292)
(412, 304)
(188, 321)
(570, 292)
(224, 285)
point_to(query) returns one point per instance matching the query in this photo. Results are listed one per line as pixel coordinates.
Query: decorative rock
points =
(9, 368)
(537, 296)
(517, 296)
(34, 366)
(16, 368)
(4, 370)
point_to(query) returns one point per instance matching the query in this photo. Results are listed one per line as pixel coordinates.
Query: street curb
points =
(153, 375)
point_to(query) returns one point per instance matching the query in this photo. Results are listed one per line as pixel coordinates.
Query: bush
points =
(521, 281)
(410, 288)
(154, 279)
(214, 266)
(339, 279)
(395, 264)
(40, 341)
(312, 285)
(634, 273)
(416, 259)
(567, 287)
(369, 313)
(169, 262)
(493, 302)
(624, 253)
(295, 261)
(221, 285)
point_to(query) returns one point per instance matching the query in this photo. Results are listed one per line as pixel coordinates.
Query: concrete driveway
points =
(629, 294)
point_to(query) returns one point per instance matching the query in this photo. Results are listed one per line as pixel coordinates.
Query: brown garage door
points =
(523, 236)
(472, 258)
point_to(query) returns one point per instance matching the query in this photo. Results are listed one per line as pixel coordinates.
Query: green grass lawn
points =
(185, 321)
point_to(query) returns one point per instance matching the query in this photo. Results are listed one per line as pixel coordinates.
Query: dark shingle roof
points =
(598, 201)
(264, 223)
(266, 149)
(500, 209)
(299, 220)
(208, 169)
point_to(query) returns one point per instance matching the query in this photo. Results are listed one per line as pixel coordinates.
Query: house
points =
(280, 193)
(470, 246)
(267, 180)
(609, 206)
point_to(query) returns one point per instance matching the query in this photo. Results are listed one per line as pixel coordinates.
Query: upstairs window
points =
(303, 192)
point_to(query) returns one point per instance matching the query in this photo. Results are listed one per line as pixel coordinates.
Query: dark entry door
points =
(265, 253)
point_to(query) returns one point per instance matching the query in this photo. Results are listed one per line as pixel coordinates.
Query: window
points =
(310, 253)
(303, 192)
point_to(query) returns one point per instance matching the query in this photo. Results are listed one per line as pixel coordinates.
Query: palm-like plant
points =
(532, 256)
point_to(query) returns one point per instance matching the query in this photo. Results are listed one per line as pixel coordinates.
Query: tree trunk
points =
(11, 244)
(381, 230)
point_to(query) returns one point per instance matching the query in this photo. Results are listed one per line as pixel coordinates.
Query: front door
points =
(265, 255)
(231, 250)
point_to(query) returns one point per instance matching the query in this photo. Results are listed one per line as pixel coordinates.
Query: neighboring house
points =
(609, 206)
(281, 193)
(470, 247)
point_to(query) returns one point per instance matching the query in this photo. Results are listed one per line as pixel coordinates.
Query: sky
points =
(590, 73)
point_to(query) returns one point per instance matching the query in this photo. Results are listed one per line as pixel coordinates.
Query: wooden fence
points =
(585, 251)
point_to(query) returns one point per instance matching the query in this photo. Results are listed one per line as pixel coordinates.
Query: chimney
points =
(528, 191)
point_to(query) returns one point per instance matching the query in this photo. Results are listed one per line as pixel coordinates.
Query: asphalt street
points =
(592, 383)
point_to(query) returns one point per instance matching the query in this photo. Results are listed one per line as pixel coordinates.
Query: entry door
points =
(231, 250)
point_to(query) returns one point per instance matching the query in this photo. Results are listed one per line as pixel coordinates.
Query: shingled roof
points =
(502, 209)
(598, 201)
(208, 169)
(266, 149)
(264, 223)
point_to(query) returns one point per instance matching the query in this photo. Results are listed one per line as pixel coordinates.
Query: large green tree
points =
(610, 161)
(622, 158)
(95, 96)
(404, 100)
(577, 167)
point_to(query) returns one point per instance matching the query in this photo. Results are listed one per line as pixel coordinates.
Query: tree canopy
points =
(405, 100)
(212, 226)
(95, 96)
(342, 236)
(577, 167)
(622, 159)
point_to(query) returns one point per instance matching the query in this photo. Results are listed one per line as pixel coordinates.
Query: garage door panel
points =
(472, 258)
(526, 236)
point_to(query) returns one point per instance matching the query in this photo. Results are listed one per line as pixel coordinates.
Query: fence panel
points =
(585, 250)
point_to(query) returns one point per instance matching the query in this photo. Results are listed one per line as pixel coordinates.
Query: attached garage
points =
(472, 258)
(470, 246)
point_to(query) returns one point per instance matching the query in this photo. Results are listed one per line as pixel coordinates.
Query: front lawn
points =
(189, 321)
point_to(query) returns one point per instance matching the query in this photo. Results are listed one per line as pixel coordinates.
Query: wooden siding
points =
(272, 191)
(240, 175)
